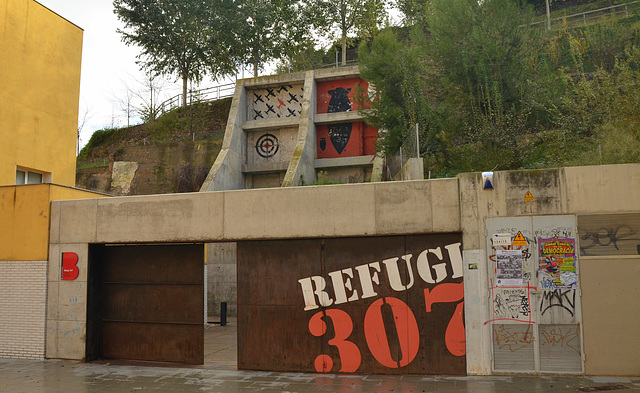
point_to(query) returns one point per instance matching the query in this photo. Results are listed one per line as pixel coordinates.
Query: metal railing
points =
(410, 149)
(587, 17)
(196, 96)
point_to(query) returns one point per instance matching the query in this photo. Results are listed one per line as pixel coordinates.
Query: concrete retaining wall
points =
(374, 209)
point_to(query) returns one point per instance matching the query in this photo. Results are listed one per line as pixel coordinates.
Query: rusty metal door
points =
(384, 305)
(535, 294)
(149, 303)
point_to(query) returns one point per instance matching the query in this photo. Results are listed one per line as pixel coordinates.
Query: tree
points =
(359, 17)
(187, 38)
(413, 11)
(149, 94)
(397, 70)
(471, 77)
(272, 29)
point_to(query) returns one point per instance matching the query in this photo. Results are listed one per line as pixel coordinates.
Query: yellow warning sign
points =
(528, 197)
(519, 240)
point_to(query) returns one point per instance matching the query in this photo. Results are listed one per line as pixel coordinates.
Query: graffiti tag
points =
(560, 298)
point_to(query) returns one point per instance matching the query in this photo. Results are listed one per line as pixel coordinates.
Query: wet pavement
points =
(70, 377)
(219, 374)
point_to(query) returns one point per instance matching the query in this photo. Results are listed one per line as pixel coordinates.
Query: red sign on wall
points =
(69, 266)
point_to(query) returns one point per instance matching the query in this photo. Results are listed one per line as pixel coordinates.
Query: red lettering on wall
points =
(347, 351)
(455, 334)
(406, 328)
(69, 266)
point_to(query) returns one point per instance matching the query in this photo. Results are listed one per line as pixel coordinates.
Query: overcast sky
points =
(107, 63)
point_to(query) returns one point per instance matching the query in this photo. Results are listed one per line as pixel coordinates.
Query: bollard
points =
(223, 314)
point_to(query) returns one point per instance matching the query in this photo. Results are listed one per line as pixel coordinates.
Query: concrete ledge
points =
(270, 124)
(344, 161)
(330, 74)
(274, 80)
(277, 166)
(340, 117)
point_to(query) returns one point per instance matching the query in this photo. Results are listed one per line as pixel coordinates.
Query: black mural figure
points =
(323, 144)
(283, 87)
(270, 93)
(293, 98)
(340, 133)
(270, 109)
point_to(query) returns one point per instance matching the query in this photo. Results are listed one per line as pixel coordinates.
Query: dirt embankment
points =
(172, 154)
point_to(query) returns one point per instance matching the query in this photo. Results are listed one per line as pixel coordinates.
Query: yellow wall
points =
(24, 218)
(39, 91)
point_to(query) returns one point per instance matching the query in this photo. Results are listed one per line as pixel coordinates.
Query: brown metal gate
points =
(146, 303)
(386, 305)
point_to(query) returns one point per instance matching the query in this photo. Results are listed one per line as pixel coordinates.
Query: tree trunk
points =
(255, 65)
(344, 49)
(344, 34)
(185, 80)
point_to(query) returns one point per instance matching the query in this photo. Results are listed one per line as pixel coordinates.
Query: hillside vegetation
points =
(487, 92)
(174, 152)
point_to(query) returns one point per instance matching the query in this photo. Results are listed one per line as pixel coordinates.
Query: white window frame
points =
(46, 177)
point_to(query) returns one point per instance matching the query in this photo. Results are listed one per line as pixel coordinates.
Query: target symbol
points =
(267, 145)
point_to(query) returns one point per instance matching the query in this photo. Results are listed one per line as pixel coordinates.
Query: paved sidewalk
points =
(30, 376)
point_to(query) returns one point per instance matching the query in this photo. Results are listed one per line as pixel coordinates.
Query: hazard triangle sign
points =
(519, 240)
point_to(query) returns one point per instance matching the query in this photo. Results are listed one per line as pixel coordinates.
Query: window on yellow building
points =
(24, 176)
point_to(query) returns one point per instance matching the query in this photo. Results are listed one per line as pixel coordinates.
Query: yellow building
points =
(40, 55)
(39, 94)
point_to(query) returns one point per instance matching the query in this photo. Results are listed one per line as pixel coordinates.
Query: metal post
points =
(223, 314)
(548, 16)
(417, 142)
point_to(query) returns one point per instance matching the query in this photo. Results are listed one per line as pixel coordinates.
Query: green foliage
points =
(490, 94)
(323, 178)
(187, 38)
(261, 21)
(96, 139)
(397, 70)
(413, 11)
(606, 107)
(361, 18)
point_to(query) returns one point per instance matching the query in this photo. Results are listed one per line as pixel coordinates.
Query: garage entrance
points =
(146, 302)
(365, 305)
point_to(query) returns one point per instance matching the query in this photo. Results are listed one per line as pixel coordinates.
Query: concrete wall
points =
(610, 294)
(575, 190)
(259, 149)
(40, 63)
(335, 211)
(395, 208)
(222, 281)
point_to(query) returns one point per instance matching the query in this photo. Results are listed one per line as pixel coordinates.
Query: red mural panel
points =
(361, 140)
(340, 95)
(381, 305)
(343, 139)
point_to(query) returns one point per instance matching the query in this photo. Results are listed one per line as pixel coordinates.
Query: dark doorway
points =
(146, 302)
